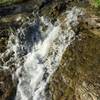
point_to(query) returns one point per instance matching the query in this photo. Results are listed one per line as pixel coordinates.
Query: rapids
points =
(38, 53)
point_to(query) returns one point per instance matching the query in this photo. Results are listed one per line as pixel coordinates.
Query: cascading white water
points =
(45, 54)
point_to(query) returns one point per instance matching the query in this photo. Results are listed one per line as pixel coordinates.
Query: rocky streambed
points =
(78, 73)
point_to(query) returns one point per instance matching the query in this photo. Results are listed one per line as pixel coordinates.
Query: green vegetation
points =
(96, 3)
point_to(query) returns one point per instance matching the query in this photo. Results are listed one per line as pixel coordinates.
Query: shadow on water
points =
(30, 36)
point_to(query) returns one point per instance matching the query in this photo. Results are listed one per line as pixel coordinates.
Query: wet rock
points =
(7, 86)
(15, 9)
(9, 2)
(19, 6)
(78, 76)
(4, 36)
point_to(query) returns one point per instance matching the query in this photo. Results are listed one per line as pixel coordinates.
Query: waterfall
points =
(41, 52)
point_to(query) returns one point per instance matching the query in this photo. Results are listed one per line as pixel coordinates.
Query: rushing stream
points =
(38, 53)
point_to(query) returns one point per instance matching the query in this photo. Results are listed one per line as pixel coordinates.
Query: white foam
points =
(44, 58)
